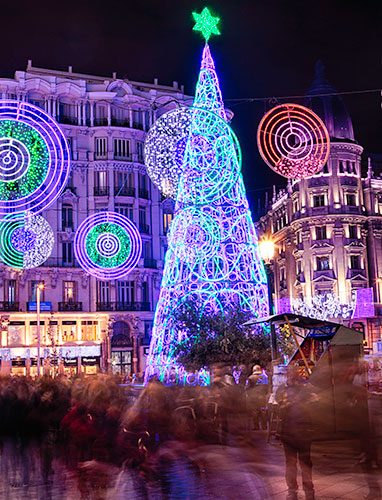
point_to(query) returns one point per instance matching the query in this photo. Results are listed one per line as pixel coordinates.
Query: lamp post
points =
(267, 251)
(40, 287)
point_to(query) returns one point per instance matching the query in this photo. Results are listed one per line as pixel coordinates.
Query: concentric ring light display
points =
(27, 243)
(34, 159)
(293, 141)
(107, 245)
(164, 149)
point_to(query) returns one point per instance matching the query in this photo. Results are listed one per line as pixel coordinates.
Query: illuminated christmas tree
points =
(212, 254)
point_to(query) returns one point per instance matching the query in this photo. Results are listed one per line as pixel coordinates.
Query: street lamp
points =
(39, 288)
(267, 252)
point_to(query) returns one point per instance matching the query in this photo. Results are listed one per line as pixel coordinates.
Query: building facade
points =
(89, 325)
(327, 229)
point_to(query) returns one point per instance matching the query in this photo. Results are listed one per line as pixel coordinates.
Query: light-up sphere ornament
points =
(107, 245)
(164, 149)
(25, 244)
(34, 159)
(293, 141)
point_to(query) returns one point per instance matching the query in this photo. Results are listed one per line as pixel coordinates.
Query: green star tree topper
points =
(206, 23)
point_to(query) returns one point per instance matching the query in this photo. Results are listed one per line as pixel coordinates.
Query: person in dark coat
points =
(294, 399)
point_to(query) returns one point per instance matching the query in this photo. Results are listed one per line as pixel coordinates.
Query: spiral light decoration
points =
(25, 244)
(107, 245)
(34, 159)
(293, 141)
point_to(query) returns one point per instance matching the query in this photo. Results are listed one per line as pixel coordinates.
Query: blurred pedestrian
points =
(294, 399)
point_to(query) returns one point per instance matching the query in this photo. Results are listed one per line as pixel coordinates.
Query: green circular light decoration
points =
(27, 243)
(108, 245)
(34, 159)
(25, 151)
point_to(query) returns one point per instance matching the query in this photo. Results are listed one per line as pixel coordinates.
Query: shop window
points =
(89, 330)
(69, 331)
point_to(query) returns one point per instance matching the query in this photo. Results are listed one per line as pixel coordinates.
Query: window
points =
(89, 330)
(69, 333)
(145, 292)
(10, 291)
(125, 209)
(100, 207)
(147, 250)
(325, 170)
(350, 199)
(353, 231)
(355, 262)
(148, 325)
(121, 148)
(139, 146)
(124, 179)
(103, 292)
(298, 267)
(100, 179)
(323, 263)
(100, 146)
(33, 291)
(282, 273)
(296, 205)
(67, 252)
(143, 225)
(69, 292)
(67, 216)
(167, 218)
(321, 233)
(319, 200)
(126, 291)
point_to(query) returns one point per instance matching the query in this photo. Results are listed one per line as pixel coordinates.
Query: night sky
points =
(267, 49)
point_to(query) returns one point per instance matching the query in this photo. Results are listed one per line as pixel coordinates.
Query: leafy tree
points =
(207, 338)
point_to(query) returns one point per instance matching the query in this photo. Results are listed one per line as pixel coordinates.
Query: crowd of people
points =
(113, 436)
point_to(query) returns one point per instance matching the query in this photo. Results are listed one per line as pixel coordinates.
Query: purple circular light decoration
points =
(107, 245)
(34, 159)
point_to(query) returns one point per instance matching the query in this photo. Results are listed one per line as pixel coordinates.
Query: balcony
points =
(123, 306)
(101, 191)
(68, 120)
(132, 306)
(120, 123)
(124, 191)
(150, 263)
(55, 262)
(122, 157)
(105, 306)
(144, 228)
(100, 122)
(70, 306)
(7, 306)
(143, 193)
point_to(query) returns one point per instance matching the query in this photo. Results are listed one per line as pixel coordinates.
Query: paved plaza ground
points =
(254, 471)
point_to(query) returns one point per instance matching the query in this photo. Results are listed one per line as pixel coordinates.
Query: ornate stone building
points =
(328, 228)
(88, 325)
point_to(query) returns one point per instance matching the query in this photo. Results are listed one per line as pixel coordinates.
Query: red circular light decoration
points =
(293, 141)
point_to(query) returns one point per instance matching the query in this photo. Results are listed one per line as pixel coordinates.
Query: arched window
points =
(121, 334)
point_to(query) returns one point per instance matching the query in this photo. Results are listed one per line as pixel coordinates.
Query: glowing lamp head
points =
(267, 250)
(41, 286)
